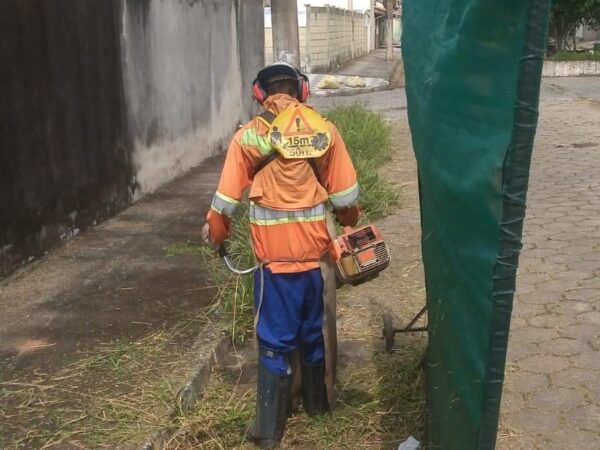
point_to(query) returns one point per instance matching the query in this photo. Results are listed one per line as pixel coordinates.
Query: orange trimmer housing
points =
(359, 254)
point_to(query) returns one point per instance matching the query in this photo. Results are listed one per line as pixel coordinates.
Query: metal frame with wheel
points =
(389, 331)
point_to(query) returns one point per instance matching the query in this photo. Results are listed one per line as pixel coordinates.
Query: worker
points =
(291, 231)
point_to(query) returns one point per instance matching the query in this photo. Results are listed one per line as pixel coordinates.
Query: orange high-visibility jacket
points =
(287, 202)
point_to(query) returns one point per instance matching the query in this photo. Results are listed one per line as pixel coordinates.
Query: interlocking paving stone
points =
(575, 377)
(556, 361)
(532, 420)
(528, 382)
(591, 317)
(580, 331)
(534, 334)
(523, 350)
(551, 321)
(568, 439)
(561, 347)
(544, 363)
(554, 399)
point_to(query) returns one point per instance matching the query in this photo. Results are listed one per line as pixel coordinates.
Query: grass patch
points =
(575, 56)
(235, 291)
(377, 403)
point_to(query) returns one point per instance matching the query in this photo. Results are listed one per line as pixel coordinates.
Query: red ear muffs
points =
(260, 95)
(303, 88)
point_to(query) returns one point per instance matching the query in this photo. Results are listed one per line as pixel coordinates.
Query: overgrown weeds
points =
(368, 138)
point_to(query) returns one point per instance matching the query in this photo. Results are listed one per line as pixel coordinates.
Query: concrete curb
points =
(571, 68)
(210, 348)
(346, 92)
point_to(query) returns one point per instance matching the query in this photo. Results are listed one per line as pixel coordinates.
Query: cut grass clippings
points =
(120, 393)
(376, 403)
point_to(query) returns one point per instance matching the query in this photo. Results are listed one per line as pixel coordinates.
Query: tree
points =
(567, 15)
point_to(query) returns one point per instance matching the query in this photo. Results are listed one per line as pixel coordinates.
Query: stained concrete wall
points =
(101, 102)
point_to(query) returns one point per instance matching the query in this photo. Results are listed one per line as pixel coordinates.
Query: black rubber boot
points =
(272, 403)
(314, 391)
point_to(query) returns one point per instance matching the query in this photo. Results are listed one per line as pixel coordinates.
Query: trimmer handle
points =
(222, 251)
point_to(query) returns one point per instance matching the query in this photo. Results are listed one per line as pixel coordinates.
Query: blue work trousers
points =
(290, 317)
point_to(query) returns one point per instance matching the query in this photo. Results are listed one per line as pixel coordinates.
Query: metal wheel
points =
(388, 332)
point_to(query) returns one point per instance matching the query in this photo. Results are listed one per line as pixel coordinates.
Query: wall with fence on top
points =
(334, 36)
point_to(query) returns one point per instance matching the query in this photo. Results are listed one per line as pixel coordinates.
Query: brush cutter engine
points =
(360, 254)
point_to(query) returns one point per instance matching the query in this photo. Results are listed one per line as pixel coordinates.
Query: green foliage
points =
(235, 291)
(568, 14)
(578, 10)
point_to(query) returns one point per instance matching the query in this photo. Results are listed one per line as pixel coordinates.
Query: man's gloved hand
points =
(205, 236)
(348, 217)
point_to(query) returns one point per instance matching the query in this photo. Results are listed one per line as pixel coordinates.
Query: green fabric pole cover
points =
(473, 71)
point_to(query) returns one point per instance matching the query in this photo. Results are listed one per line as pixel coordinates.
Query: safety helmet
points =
(279, 71)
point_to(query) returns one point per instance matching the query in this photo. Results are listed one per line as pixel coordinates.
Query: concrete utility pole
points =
(372, 30)
(286, 41)
(389, 30)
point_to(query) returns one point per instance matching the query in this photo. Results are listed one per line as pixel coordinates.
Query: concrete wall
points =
(590, 34)
(570, 68)
(334, 37)
(104, 101)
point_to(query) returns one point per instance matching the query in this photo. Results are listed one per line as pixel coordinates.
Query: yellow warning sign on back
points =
(300, 132)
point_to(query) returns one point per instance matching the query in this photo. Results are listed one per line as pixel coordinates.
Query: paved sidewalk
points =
(371, 85)
(372, 65)
(552, 389)
(377, 73)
